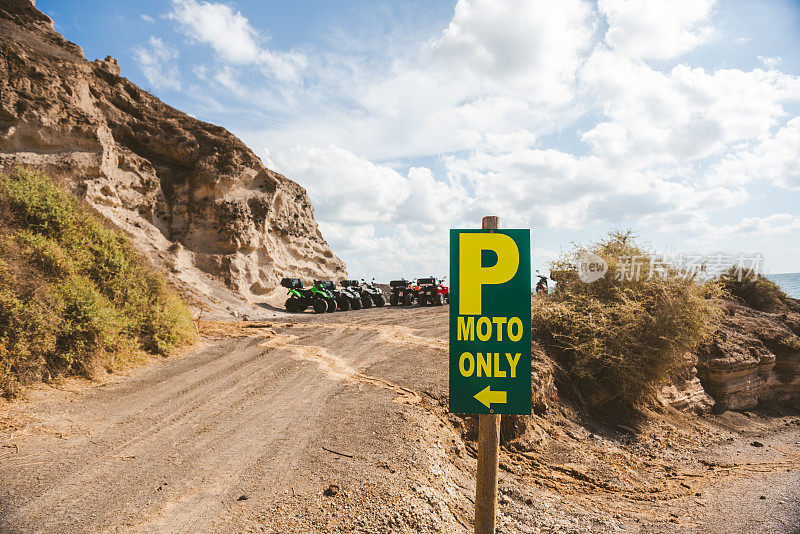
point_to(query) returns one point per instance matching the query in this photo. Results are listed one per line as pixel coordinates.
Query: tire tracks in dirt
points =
(333, 366)
(400, 335)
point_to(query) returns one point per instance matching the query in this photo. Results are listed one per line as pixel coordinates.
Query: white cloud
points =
(778, 223)
(775, 158)
(535, 45)
(231, 36)
(526, 109)
(770, 62)
(344, 187)
(658, 29)
(226, 77)
(559, 190)
(758, 230)
(227, 31)
(498, 68)
(430, 201)
(147, 18)
(201, 71)
(682, 115)
(157, 63)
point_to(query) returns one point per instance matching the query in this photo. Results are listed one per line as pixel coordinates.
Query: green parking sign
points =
(490, 321)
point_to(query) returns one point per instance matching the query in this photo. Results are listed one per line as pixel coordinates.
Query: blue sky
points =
(679, 119)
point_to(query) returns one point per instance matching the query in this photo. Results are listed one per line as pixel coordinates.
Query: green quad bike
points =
(301, 299)
(327, 294)
(346, 298)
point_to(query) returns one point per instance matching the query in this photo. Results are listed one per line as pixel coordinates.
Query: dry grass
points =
(617, 338)
(749, 288)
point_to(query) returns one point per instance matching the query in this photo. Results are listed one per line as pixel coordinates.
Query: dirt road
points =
(174, 447)
(300, 424)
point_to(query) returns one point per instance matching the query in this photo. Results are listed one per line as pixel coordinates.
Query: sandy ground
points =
(336, 423)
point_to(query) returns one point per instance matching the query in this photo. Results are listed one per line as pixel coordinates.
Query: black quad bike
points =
(346, 298)
(352, 286)
(430, 292)
(402, 293)
(301, 299)
(371, 295)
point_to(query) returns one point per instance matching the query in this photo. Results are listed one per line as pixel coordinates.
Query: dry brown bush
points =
(618, 337)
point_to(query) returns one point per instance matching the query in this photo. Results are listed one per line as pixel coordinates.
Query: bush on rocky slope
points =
(749, 288)
(618, 337)
(73, 293)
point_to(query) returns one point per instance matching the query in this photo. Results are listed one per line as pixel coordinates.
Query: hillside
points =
(75, 297)
(193, 197)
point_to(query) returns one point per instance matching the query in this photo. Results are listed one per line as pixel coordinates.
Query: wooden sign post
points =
(486, 477)
(490, 342)
(488, 452)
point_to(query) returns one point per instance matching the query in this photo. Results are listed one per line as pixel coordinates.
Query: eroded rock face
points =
(754, 358)
(686, 393)
(193, 196)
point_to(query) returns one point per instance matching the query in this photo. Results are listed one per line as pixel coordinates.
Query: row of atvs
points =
(323, 296)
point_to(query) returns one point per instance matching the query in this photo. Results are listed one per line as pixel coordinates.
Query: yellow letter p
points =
(472, 276)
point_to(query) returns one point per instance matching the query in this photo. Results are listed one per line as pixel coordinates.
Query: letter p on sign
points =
(473, 276)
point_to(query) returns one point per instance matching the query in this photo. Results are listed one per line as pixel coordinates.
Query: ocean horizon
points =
(788, 282)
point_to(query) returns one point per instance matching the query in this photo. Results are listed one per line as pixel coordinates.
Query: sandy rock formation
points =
(686, 393)
(754, 358)
(195, 199)
(110, 65)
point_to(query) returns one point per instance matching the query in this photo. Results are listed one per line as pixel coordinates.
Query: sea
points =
(789, 282)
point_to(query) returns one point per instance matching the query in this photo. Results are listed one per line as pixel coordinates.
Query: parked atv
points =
(352, 287)
(414, 287)
(444, 290)
(402, 293)
(346, 298)
(371, 294)
(327, 294)
(301, 299)
(431, 292)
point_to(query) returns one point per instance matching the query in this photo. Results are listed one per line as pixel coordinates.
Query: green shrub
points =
(47, 253)
(42, 207)
(750, 288)
(166, 323)
(89, 324)
(618, 337)
(73, 290)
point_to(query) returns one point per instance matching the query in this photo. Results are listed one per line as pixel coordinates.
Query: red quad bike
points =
(414, 285)
(402, 293)
(444, 290)
(431, 292)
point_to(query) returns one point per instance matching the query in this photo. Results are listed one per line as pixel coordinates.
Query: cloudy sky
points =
(679, 119)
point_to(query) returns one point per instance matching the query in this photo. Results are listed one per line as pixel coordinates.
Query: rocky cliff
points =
(194, 198)
(754, 357)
